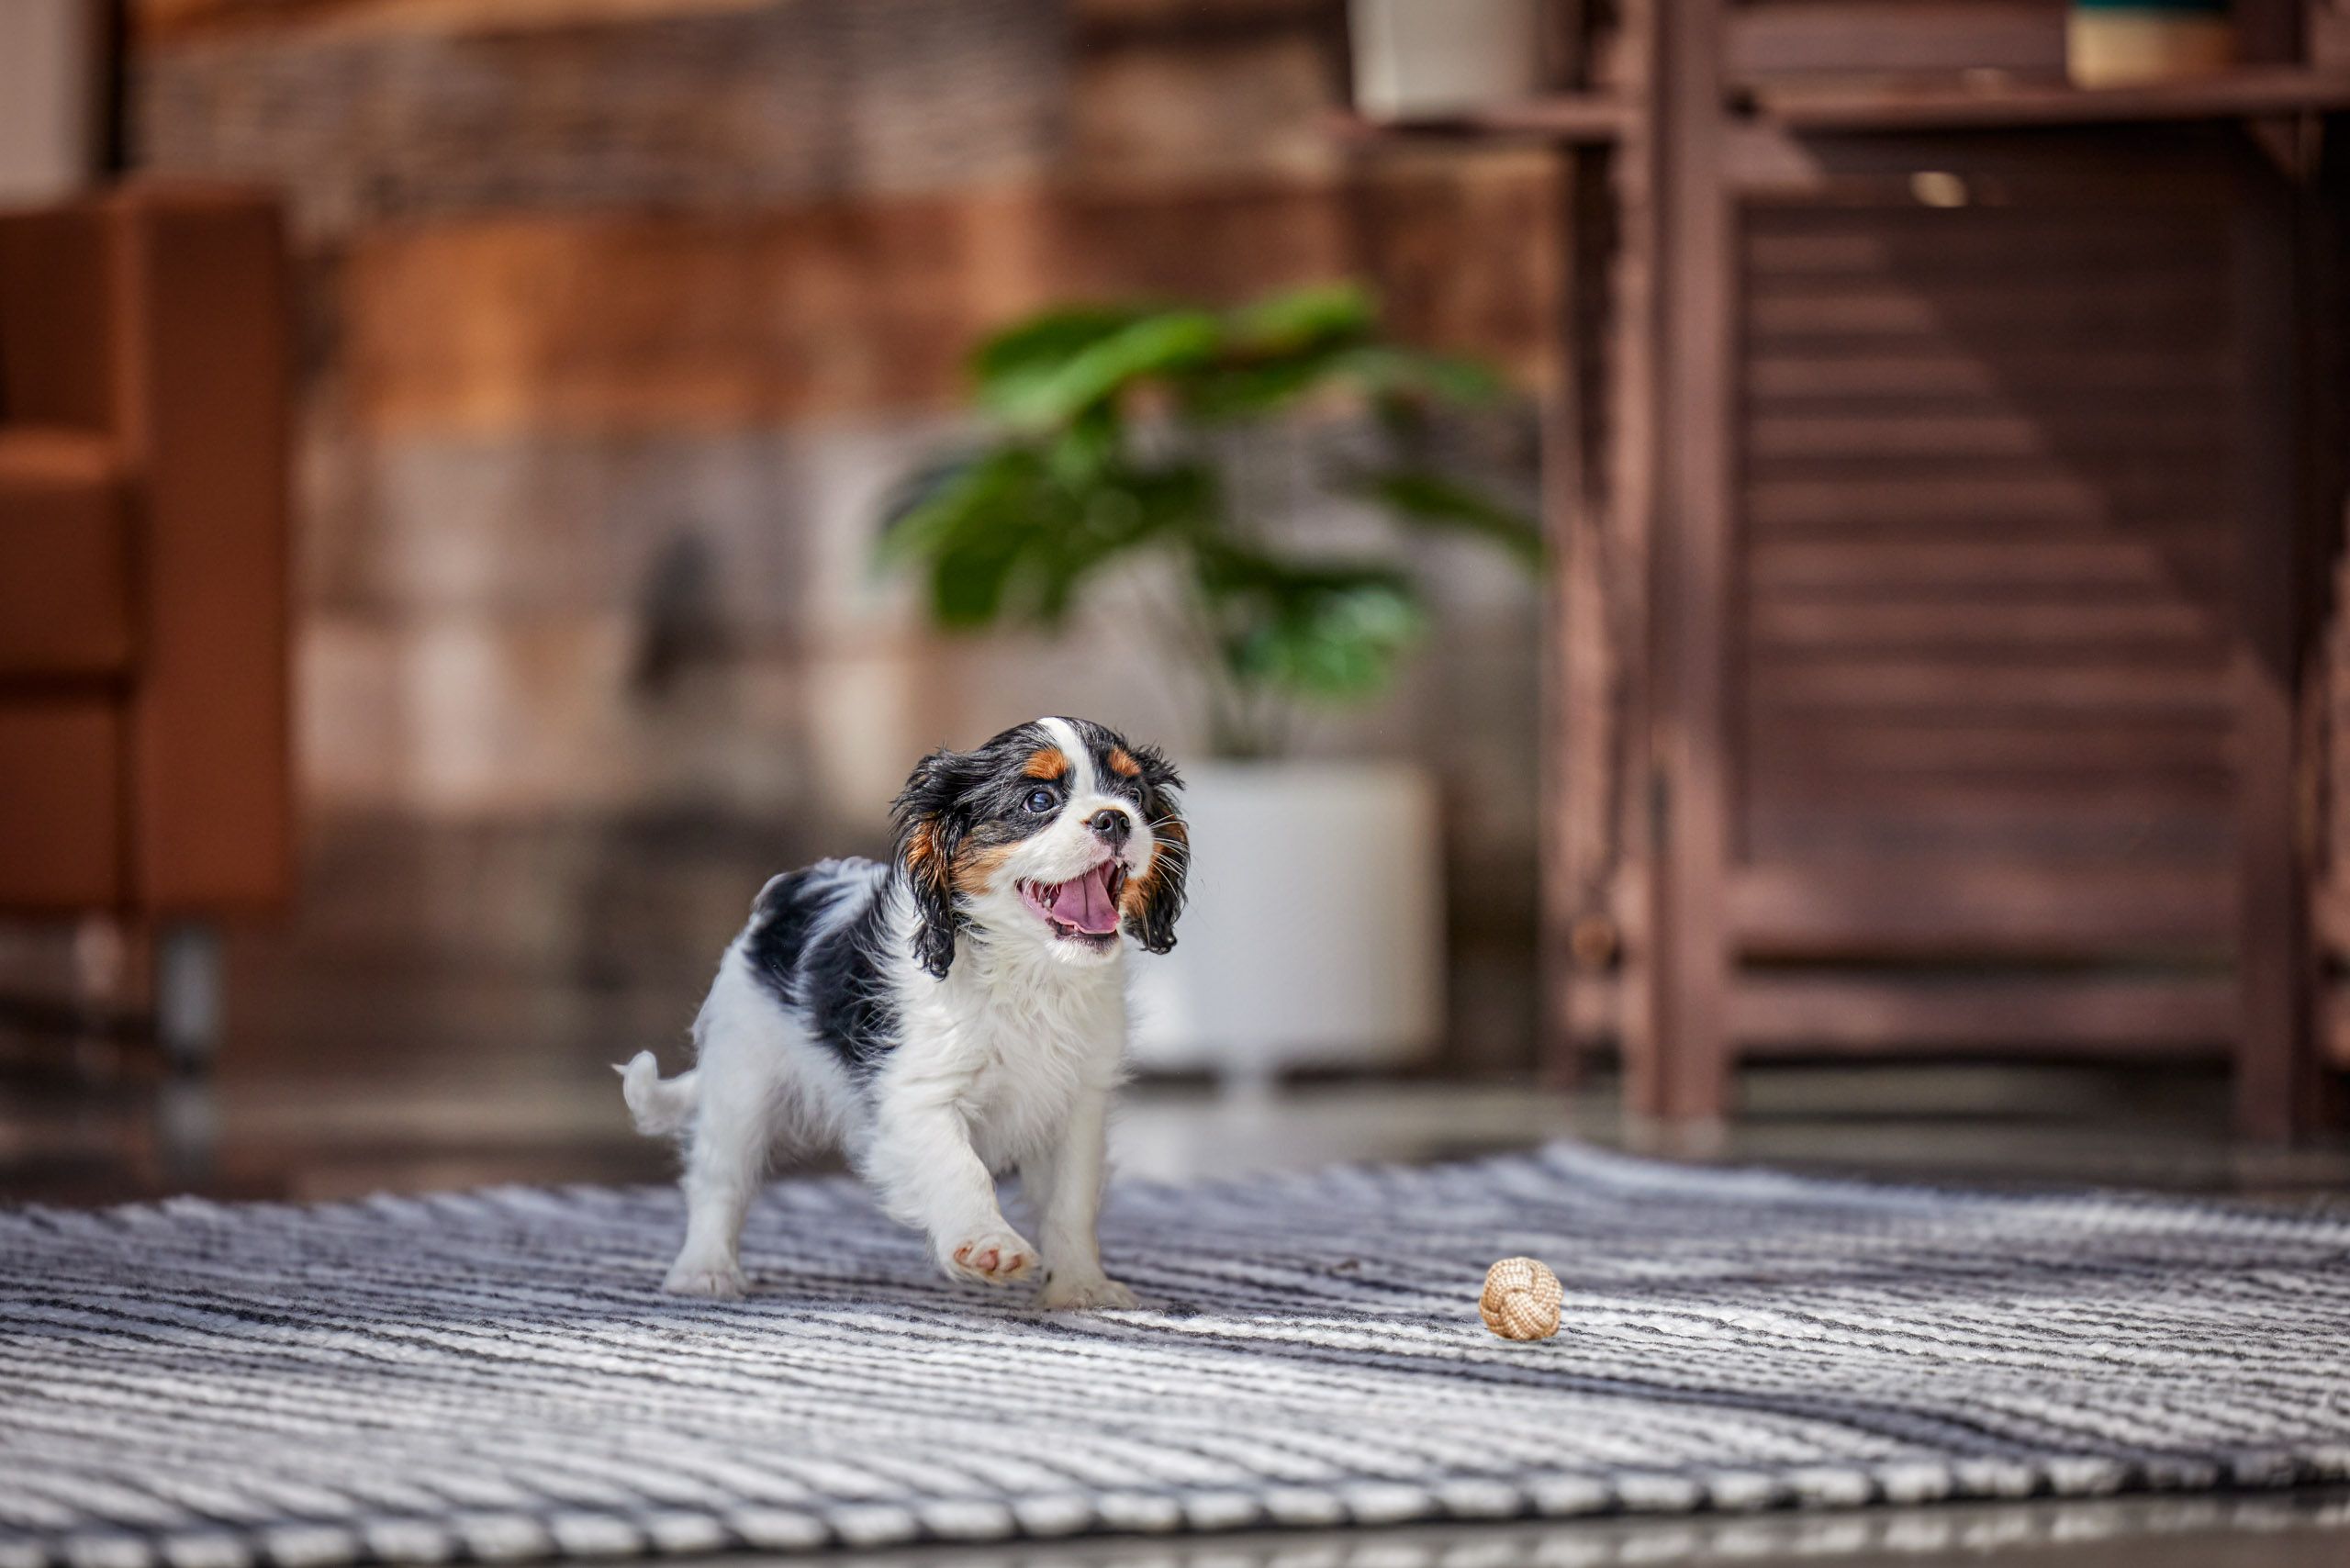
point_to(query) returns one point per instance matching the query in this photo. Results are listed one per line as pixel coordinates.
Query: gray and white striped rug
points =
(493, 1374)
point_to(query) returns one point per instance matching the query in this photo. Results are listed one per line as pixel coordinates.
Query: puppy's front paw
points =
(1075, 1293)
(717, 1281)
(996, 1257)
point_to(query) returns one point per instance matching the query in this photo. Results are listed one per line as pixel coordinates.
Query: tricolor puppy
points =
(956, 1014)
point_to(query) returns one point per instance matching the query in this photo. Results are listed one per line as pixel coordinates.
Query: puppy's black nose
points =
(1111, 824)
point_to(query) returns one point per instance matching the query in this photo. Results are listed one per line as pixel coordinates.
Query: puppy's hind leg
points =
(725, 1158)
(733, 1127)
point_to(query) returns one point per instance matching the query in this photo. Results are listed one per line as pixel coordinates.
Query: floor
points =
(354, 1065)
(97, 1122)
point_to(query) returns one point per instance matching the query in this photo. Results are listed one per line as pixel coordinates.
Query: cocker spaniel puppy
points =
(952, 1016)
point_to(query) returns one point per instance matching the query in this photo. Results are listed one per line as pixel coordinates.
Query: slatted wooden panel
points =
(1985, 544)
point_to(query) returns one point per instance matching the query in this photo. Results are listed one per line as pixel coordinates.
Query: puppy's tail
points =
(657, 1105)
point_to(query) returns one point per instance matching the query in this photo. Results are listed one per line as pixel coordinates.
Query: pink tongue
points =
(1085, 904)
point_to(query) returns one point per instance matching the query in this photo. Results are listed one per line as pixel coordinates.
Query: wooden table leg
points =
(2274, 968)
(1697, 269)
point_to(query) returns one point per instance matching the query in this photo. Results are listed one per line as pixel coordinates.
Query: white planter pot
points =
(1437, 57)
(1313, 930)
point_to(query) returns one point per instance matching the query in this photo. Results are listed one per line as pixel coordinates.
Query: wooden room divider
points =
(1944, 474)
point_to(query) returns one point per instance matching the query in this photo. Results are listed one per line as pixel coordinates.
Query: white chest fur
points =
(1010, 1042)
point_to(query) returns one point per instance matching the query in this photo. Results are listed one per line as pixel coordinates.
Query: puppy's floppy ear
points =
(931, 824)
(1156, 898)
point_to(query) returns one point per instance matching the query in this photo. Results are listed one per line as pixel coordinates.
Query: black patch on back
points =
(819, 943)
(785, 915)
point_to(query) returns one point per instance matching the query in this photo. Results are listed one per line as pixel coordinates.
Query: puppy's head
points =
(1053, 836)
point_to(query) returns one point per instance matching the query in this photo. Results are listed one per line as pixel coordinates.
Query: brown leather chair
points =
(144, 772)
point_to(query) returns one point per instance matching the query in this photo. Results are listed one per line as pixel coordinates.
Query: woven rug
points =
(493, 1374)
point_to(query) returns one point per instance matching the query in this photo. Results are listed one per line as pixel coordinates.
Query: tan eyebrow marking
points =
(1123, 764)
(1047, 763)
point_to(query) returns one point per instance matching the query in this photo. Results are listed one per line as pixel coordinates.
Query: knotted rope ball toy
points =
(1521, 1299)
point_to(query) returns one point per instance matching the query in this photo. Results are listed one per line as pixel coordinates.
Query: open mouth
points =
(1084, 907)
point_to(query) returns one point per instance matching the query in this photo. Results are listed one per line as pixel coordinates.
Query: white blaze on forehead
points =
(1080, 761)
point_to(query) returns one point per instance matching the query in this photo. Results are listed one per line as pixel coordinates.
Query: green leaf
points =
(1049, 340)
(961, 494)
(1431, 501)
(1005, 536)
(1304, 317)
(1383, 370)
(969, 578)
(1332, 630)
(1045, 392)
(1337, 644)
(1177, 498)
(1280, 351)
(1259, 388)
(1391, 379)
(917, 494)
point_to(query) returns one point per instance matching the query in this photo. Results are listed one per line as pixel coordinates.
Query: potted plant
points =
(1103, 460)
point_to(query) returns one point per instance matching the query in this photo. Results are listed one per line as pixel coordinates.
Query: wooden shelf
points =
(1567, 117)
(1992, 100)
(1986, 100)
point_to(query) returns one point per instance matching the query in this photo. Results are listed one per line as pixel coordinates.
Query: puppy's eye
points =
(1040, 799)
